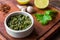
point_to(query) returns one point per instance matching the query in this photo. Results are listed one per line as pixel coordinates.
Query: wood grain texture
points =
(39, 29)
(2, 37)
(55, 27)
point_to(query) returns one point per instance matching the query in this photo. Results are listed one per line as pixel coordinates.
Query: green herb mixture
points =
(19, 22)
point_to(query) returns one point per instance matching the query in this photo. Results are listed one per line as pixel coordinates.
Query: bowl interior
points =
(18, 13)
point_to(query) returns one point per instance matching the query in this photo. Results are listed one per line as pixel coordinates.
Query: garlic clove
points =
(30, 9)
(22, 8)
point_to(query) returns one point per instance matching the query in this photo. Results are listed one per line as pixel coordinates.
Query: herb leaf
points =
(46, 17)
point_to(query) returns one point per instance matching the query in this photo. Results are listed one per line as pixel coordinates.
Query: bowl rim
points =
(18, 30)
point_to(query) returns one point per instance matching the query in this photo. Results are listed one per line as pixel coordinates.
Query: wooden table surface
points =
(39, 33)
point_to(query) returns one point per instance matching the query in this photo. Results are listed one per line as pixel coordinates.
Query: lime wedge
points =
(23, 1)
(41, 3)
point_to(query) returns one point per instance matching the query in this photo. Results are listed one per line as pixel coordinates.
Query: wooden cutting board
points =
(39, 30)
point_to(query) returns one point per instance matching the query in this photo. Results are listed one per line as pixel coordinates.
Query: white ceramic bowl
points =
(20, 33)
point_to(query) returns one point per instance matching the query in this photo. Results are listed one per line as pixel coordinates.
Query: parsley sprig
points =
(46, 17)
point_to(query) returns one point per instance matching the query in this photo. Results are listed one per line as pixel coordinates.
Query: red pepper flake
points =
(4, 8)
